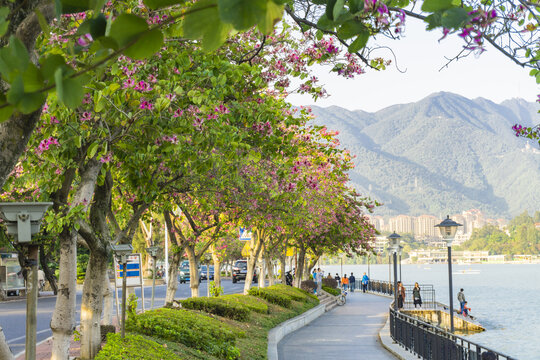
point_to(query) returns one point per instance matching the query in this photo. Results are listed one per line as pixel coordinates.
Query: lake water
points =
(505, 298)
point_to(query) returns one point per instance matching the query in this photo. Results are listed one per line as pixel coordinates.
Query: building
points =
(402, 224)
(424, 226)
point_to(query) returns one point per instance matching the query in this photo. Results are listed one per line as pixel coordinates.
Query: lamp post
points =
(448, 229)
(399, 253)
(393, 240)
(152, 251)
(207, 257)
(22, 221)
(122, 252)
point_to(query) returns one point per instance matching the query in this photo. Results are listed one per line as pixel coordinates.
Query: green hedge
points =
(218, 306)
(251, 302)
(133, 347)
(191, 329)
(295, 293)
(273, 296)
(331, 291)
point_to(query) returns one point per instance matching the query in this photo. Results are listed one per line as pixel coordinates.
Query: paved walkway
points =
(346, 332)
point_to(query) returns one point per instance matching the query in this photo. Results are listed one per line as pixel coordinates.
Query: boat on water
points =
(467, 272)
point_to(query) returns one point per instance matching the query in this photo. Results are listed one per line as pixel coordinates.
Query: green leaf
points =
(126, 28)
(50, 64)
(359, 43)
(437, 5)
(273, 14)
(206, 24)
(325, 23)
(338, 7)
(433, 20)
(254, 156)
(5, 110)
(330, 9)
(147, 45)
(24, 102)
(74, 6)
(14, 59)
(454, 18)
(78, 141)
(157, 4)
(351, 28)
(32, 78)
(69, 91)
(4, 12)
(42, 22)
(92, 149)
(242, 14)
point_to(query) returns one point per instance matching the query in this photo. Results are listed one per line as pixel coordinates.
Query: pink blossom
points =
(146, 105)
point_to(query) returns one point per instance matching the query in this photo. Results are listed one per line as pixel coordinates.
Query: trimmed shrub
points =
(331, 291)
(295, 293)
(191, 329)
(251, 302)
(133, 347)
(218, 306)
(273, 296)
(331, 283)
(308, 285)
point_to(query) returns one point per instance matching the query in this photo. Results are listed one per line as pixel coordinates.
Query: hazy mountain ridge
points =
(442, 154)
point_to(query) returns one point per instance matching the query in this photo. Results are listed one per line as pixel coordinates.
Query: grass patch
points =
(218, 306)
(331, 291)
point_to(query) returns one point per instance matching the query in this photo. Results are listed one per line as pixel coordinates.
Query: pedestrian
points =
(314, 274)
(345, 282)
(417, 299)
(466, 310)
(329, 275)
(319, 280)
(401, 295)
(365, 282)
(461, 299)
(489, 355)
(337, 278)
(352, 282)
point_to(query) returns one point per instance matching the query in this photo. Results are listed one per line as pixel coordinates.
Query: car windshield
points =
(241, 265)
(184, 268)
(203, 268)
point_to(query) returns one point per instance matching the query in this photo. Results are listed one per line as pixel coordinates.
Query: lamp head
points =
(23, 219)
(152, 250)
(121, 251)
(393, 240)
(448, 229)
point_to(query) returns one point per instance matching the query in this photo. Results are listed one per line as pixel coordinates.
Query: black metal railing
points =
(433, 343)
(427, 293)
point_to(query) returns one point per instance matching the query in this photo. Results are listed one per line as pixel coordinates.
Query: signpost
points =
(133, 271)
(244, 234)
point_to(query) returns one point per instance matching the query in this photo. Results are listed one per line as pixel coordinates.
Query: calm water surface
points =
(505, 298)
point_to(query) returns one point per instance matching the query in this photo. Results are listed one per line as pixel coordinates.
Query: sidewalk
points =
(346, 332)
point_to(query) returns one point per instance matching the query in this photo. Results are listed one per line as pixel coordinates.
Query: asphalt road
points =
(13, 313)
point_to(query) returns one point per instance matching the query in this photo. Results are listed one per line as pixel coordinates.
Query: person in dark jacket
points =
(338, 279)
(352, 282)
(401, 295)
(417, 299)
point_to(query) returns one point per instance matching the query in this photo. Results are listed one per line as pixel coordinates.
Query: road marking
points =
(22, 337)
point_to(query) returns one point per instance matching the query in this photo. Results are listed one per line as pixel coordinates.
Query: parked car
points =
(184, 275)
(204, 272)
(240, 271)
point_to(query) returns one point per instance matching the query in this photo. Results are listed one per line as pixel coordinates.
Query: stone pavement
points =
(346, 332)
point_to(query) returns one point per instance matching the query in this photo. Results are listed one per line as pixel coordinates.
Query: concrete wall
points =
(441, 319)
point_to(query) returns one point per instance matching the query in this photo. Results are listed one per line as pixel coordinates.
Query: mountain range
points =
(442, 155)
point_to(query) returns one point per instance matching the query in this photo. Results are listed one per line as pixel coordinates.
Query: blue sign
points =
(245, 234)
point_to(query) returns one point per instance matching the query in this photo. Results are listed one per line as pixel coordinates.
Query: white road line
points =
(22, 337)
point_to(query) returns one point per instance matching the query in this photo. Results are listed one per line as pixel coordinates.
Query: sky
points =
(490, 75)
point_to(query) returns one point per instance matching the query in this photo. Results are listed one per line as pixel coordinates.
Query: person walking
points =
(345, 282)
(401, 295)
(461, 299)
(352, 282)
(365, 282)
(417, 299)
(337, 278)
(319, 281)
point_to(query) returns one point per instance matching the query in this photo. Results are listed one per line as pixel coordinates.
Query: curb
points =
(276, 334)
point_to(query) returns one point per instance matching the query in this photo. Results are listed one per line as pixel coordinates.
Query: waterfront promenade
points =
(346, 332)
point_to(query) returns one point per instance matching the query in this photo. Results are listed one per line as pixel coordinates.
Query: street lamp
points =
(122, 251)
(22, 221)
(448, 229)
(152, 251)
(393, 240)
(400, 251)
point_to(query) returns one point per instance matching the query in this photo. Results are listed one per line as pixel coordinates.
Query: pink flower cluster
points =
(263, 128)
(45, 144)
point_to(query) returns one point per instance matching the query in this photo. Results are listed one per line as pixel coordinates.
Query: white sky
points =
(491, 75)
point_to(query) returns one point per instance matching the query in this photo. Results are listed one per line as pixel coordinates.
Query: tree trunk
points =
(172, 278)
(299, 275)
(48, 272)
(262, 274)
(63, 319)
(312, 264)
(257, 245)
(217, 266)
(5, 352)
(92, 303)
(108, 300)
(193, 270)
(283, 260)
(270, 270)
